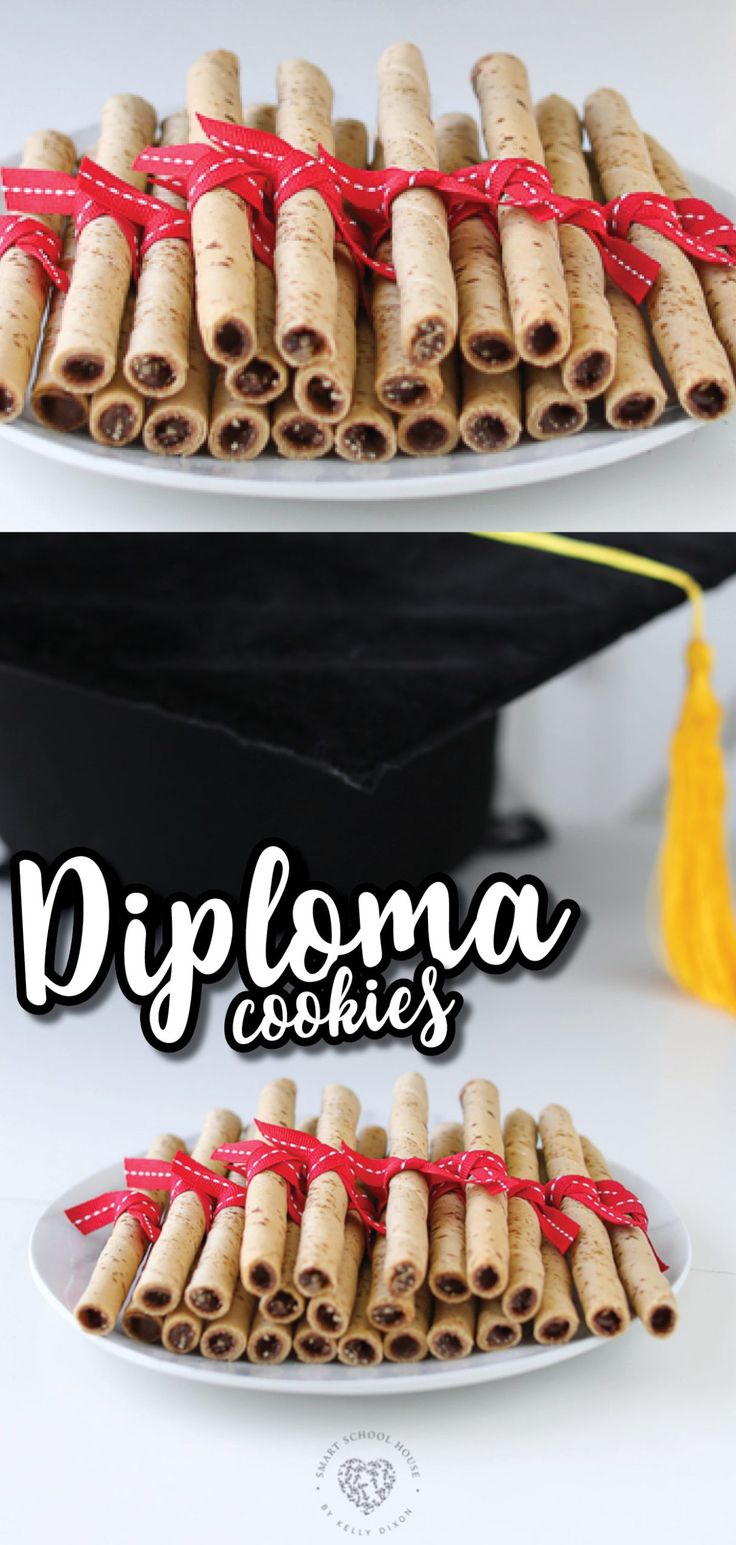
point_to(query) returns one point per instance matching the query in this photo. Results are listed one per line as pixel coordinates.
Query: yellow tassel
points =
(697, 922)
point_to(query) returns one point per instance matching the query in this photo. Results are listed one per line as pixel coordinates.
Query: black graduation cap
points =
(171, 701)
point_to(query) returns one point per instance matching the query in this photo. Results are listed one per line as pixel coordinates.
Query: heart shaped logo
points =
(366, 1482)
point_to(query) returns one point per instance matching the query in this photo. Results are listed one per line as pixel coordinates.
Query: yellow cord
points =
(697, 923)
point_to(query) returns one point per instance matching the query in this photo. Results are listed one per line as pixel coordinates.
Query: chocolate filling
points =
(662, 1319)
(324, 396)
(405, 1346)
(221, 1343)
(172, 431)
(556, 1330)
(405, 392)
(591, 370)
(524, 1301)
(429, 341)
(267, 1347)
(83, 369)
(388, 1316)
(493, 351)
(144, 1327)
(454, 1287)
(426, 435)
(207, 1302)
(302, 433)
(152, 371)
(92, 1319)
(117, 423)
(485, 1280)
(708, 399)
(501, 1335)
(607, 1321)
(237, 437)
(488, 432)
(182, 1337)
(559, 418)
(635, 409)
(232, 340)
(448, 1345)
(283, 1305)
(262, 1278)
(317, 1346)
(313, 1281)
(404, 1279)
(61, 410)
(257, 378)
(365, 442)
(156, 1299)
(7, 402)
(358, 1352)
(302, 343)
(328, 1318)
(542, 339)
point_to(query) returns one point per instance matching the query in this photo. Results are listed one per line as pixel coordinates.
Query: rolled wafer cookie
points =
(304, 263)
(120, 1257)
(268, 1343)
(177, 425)
(589, 366)
(86, 352)
(494, 1331)
(24, 285)
(596, 1279)
(408, 1343)
(323, 1221)
(361, 1345)
(299, 436)
(407, 1235)
(637, 395)
(116, 411)
(402, 384)
(330, 1311)
(181, 1330)
(421, 255)
(452, 1332)
(141, 1326)
(490, 418)
(447, 1273)
(523, 1293)
(385, 1309)
(719, 284)
(433, 431)
(485, 334)
(486, 1217)
(55, 406)
(211, 1286)
(225, 281)
(530, 250)
(264, 376)
(157, 357)
(647, 1288)
(557, 1318)
(286, 1303)
(309, 1124)
(367, 432)
(161, 1284)
(264, 1233)
(239, 430)
(692, 354)
(225, 1339)
(550, 410)
(313, 1346)
(325, 388)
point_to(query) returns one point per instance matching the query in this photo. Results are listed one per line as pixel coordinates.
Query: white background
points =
(672, 58)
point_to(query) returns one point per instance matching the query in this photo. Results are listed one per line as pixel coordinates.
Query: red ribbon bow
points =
(193, 170)
(38, 241)
(690, 223)
(610, 1200)
(110, 1205)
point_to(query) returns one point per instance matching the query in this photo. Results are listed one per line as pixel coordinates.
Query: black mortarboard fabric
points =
(172, 701)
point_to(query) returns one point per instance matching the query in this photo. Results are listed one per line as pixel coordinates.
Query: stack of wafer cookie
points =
(463, 1272)
(480, 338)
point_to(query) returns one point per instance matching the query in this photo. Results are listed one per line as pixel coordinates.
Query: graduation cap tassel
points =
(697, 921)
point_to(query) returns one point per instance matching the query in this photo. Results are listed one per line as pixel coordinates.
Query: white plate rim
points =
(331, 480)
(332, 1379)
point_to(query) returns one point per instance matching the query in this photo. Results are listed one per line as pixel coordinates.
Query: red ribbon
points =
(254, 1157)
(608, 1199)
(110, 1206)
(38, 241)
(690, 223)
(193, 170)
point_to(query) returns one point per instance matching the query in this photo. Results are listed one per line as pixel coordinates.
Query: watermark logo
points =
(368, 1484)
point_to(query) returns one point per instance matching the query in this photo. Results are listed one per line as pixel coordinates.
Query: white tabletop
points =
(637, 1436)
(674, 63)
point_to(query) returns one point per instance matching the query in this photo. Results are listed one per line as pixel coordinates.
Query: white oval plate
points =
(272, 477)
(61, 1260)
